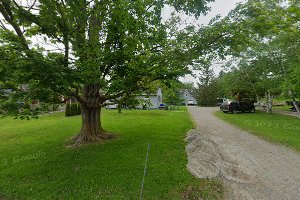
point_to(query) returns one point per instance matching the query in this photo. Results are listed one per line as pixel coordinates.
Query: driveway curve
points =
(250, 167)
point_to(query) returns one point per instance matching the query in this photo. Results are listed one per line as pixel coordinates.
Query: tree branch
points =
(78, 97)
(113, 96)
(6, 11)
(2, 25)
(32, 6)
(108, 103)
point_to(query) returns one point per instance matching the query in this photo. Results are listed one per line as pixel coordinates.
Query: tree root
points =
(86, 138)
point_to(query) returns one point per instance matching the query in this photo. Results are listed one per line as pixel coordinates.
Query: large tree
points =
(264, 35)
(104, 50)
(208, 87)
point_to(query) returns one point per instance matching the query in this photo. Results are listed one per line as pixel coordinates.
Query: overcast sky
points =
(219, 7)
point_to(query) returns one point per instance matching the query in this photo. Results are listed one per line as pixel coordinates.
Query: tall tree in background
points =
(208, 87)
(265, 35)
(105, 51)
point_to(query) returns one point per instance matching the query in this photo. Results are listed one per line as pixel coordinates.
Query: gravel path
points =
(250, 167)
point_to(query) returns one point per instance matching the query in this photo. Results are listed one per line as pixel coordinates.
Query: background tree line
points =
(261, 38)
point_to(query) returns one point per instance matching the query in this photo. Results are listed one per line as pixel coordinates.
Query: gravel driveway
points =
(250, 167)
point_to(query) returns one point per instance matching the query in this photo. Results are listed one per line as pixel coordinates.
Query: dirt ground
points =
(250, 167)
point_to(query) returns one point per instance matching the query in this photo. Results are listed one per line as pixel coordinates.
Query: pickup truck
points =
(235, 107)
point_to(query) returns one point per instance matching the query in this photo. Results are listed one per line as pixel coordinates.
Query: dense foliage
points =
(208, 90)
(102, 51)
(262, 40)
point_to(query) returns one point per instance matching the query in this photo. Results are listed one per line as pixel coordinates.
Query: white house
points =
(188, 98)
(150, 101)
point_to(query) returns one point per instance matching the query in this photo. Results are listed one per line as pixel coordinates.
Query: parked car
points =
(235, 107)
(222, 105)
(191, 102)
(219, 101)
(163, 107)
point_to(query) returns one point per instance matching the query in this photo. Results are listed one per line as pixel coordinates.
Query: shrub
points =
(74, 109)
(68, 110)
(78, 109)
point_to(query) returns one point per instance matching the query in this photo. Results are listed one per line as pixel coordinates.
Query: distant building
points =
(5, 92)
(187, 97)
(149, 101)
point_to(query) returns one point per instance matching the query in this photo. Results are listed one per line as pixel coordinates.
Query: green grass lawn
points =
(35, 164)
(276, 128)
(284, 107)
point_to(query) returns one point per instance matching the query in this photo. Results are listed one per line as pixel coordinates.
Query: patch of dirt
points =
(250, 167)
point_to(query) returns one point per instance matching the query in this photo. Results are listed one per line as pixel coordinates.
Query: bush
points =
(72, 109)
(78, 109)
(68, 110)
(55, 107)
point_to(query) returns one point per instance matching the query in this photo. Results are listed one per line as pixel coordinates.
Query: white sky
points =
(219, 7)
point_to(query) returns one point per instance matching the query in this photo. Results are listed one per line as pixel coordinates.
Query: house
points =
(146, 101)
(187, 97)
(151, 101)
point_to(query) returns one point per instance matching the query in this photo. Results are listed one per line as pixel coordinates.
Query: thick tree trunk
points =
(91, 129)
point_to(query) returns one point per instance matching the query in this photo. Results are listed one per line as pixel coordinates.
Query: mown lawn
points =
(35, 163)
(284, 107)
(276, 128)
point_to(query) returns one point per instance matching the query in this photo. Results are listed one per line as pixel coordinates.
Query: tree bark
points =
(269, 102)
(91, 129)
(295, 103)
(258, 100)
(296, 107)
